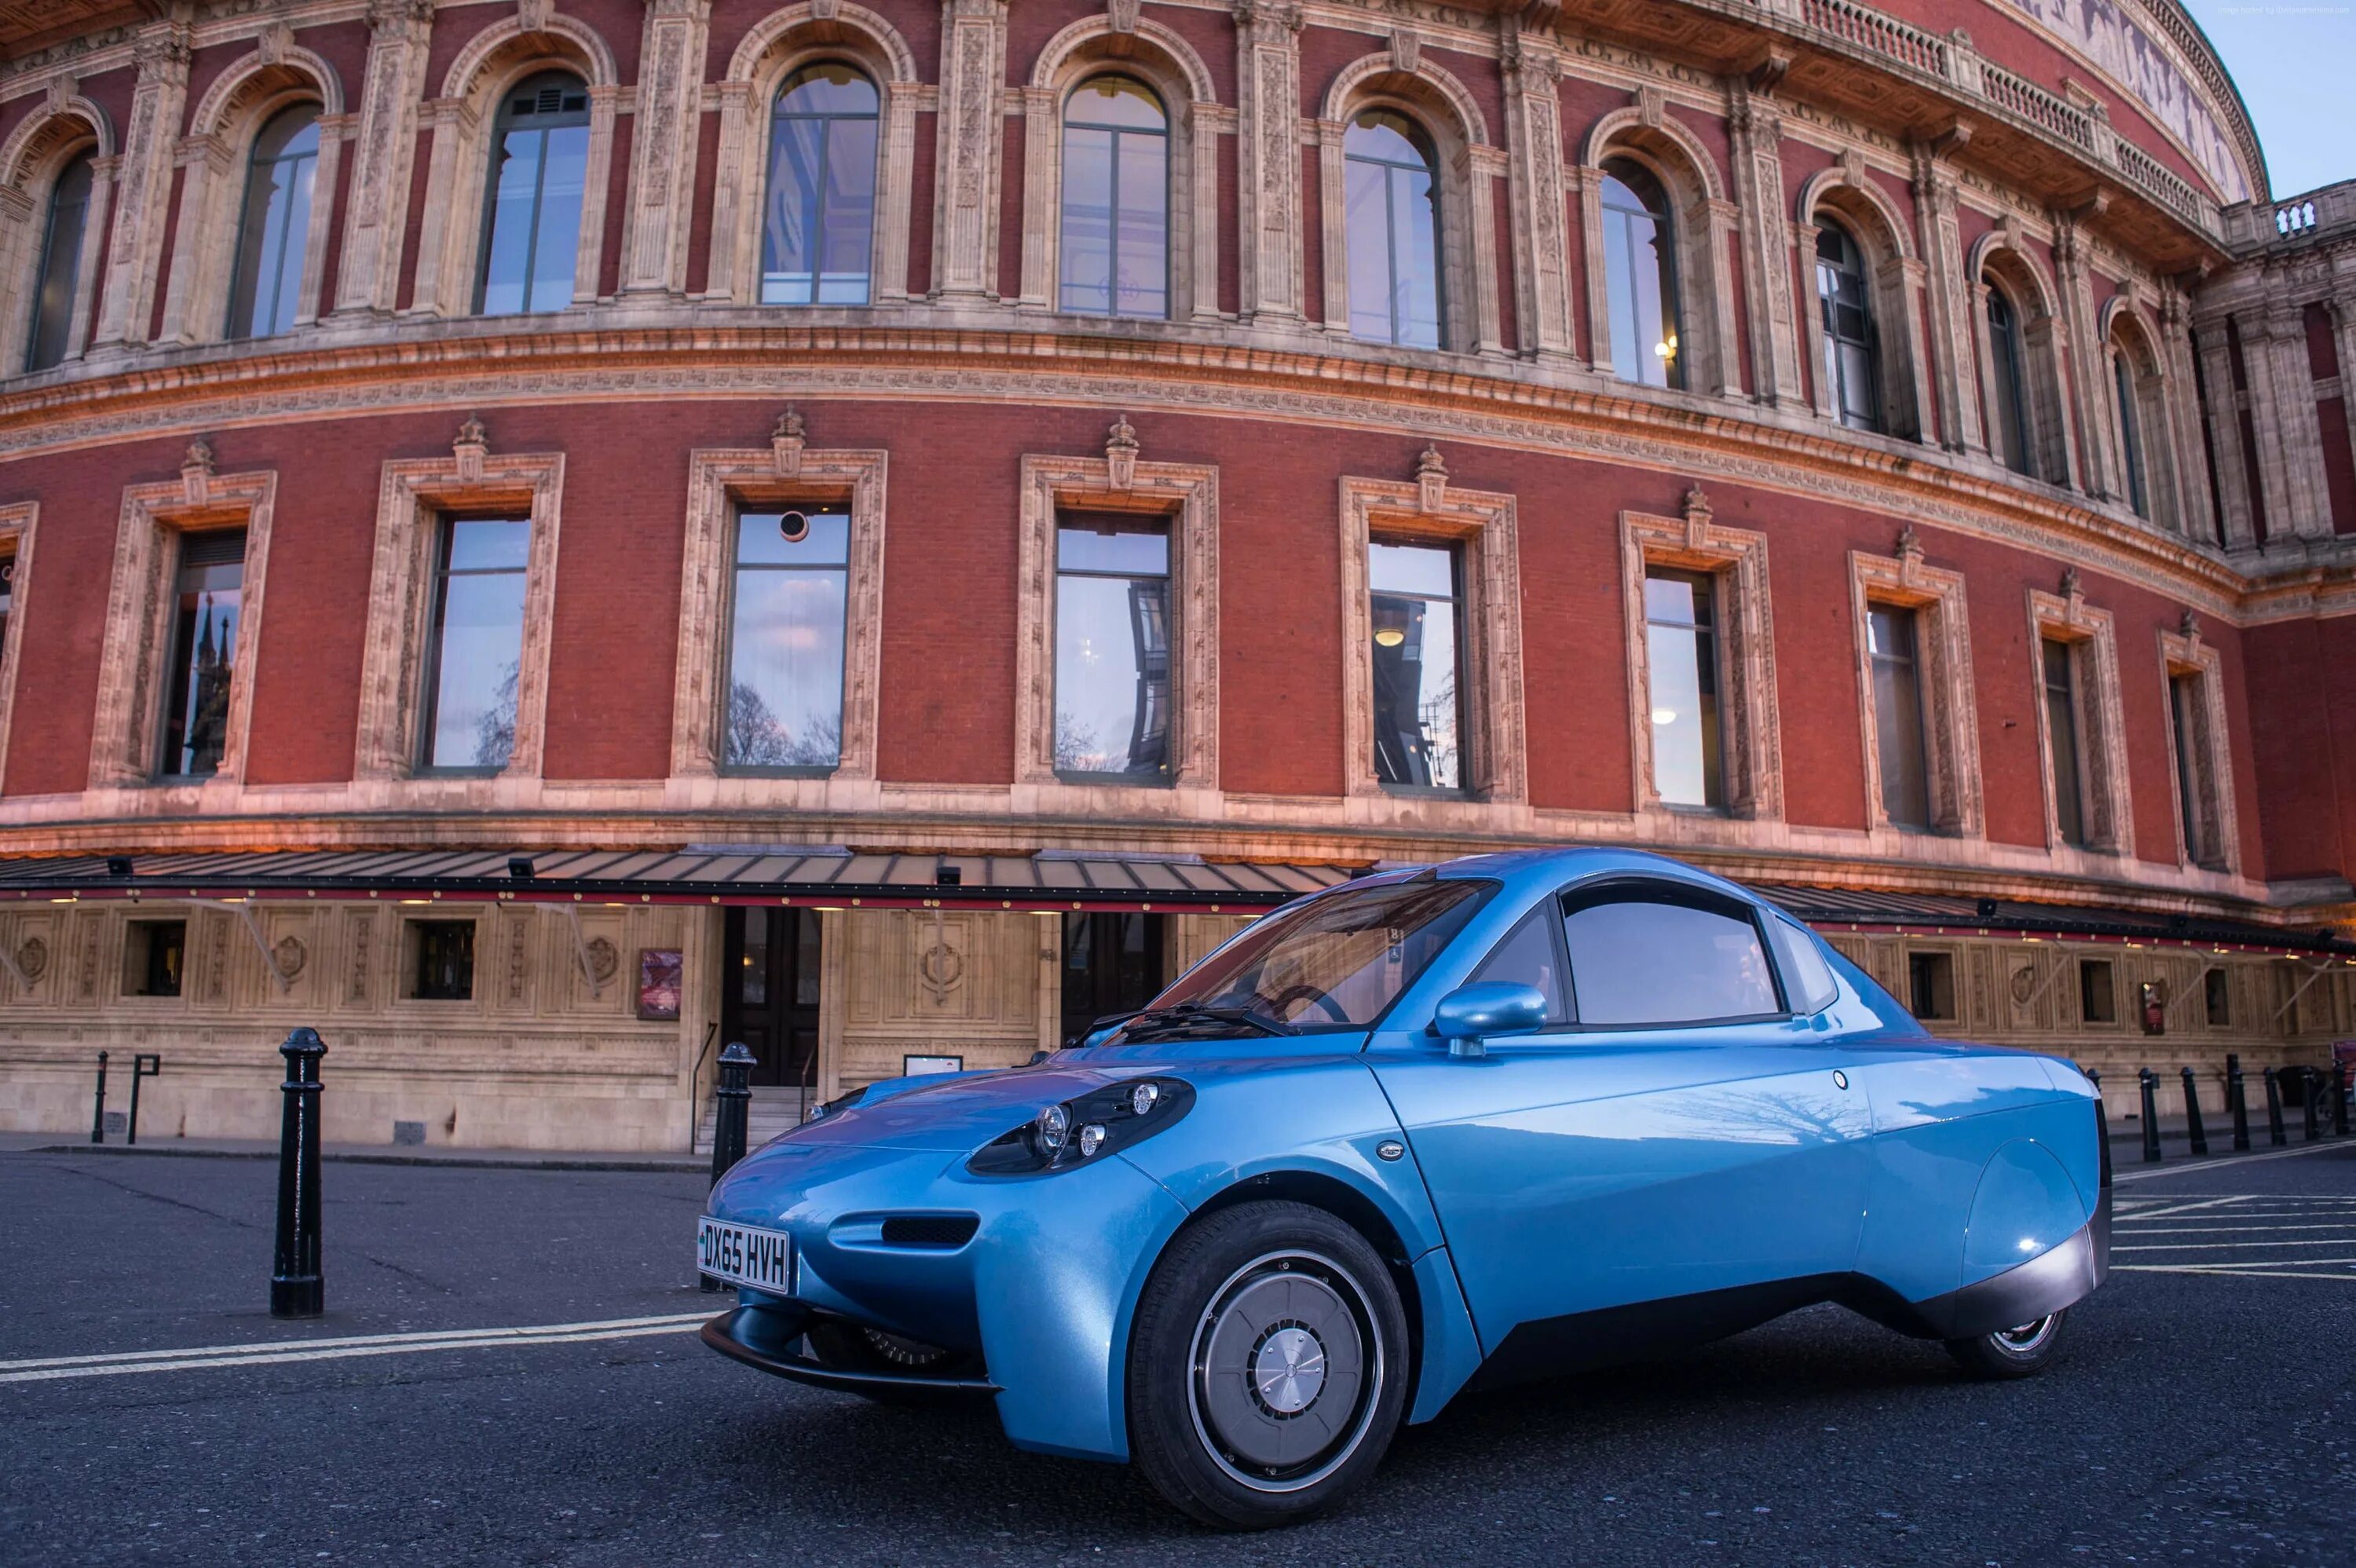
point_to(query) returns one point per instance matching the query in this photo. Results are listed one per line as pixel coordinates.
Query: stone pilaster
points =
(1757, 127)
(1267, 208)
(1484, 168)
(2194, 513)
(1535, 195)
(2090, 370)
(2295, 427)
(142, 186)
(660, 218)
(970, 139)
(2225, 434)
(377, 215)
(2287, 512)
(1952, 365)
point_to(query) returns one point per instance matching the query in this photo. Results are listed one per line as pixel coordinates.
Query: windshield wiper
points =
(1184, 1015)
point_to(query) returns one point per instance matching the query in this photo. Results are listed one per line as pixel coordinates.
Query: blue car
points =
(1497, 1119)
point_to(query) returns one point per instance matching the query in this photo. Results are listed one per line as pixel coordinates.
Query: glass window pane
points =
(789, 229)
(774, 538)
(205, 619)
(754, 982)
(1087, 221)
(1528, 957)
(1417, 281)
(1411, 569)
(274, 226)
(1116, 102)
(1129, 549)
(1143, 250)
(828, 89)
(1112, 653)
(556, 251)
(784, 661)
(1415, 657)
(488, 544)
(478, 657)
(54, 296)
(1366, 214)
(2184, 696)
(1898, 717)
(1635, 961)
(1808, 983)
(2062, 734)
(848, 218)
(514, 202)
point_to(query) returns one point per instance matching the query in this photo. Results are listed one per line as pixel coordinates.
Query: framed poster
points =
(922, 1066)
(660, 970)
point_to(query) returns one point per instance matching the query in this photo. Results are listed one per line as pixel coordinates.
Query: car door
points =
(1680, 1133)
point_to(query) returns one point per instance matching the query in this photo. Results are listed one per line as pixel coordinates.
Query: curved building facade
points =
(548, 537)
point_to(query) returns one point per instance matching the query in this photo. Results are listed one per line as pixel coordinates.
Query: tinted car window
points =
(1528, 957)
(1807, 978)
(1640, 956)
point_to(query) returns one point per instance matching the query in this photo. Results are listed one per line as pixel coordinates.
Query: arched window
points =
(2131, 452)
(1641, 273)
(531, 222)
(275, 224)
(54, 285)
(2008, 386)
(818, 235)
(1116, 234)
(1846, 297)
(1392, 208)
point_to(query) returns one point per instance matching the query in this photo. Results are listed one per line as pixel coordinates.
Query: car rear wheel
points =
(2010, 1352)
(1267, 1368)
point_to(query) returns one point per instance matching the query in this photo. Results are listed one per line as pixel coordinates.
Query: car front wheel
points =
(1268, 1371)
(2010, 1352)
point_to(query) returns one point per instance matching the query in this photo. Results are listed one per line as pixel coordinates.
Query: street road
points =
(2204, 1411)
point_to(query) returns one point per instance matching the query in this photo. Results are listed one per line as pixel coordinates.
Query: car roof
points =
(1522, 871)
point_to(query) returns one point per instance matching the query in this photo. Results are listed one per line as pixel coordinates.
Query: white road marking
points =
(2228, 1246)
(48, 1368)
(2178, 1209)
(2152, 1172)
(2245, 1273)
(2226, 1230)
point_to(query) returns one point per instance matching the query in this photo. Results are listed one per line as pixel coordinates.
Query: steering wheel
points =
(1307, 993)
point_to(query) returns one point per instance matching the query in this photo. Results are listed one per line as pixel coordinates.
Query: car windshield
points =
(1335, 962)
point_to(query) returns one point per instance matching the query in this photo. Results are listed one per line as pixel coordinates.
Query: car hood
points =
(955, 1113)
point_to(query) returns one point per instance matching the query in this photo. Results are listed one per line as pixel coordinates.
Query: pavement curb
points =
(361, 1156)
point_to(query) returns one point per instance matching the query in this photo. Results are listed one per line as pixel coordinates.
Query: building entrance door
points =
(769, 989)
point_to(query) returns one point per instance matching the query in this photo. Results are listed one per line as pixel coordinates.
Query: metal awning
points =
(1837, 910)
(1051, 880)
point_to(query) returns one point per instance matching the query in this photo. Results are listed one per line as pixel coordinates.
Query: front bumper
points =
(765, 1337)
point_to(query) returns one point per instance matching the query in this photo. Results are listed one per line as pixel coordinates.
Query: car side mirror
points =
(1468, 1014)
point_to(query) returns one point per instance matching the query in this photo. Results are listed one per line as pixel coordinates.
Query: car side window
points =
(1653, 953)
(1529, 957)
(1807, 979)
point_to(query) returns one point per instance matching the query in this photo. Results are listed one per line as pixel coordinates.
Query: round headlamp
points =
(1053, 1125)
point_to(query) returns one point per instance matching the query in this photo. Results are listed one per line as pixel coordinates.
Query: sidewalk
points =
(361, 1154)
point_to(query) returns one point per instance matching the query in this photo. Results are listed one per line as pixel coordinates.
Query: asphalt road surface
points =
(507, 1375)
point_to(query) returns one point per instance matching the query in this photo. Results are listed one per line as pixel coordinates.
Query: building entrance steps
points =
(772, 1111)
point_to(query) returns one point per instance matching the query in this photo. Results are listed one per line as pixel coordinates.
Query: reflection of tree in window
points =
(1640, 276)
(1112, 647)
(531, 223)
(1898, 715)
(276, 224)
(1390, 193)
(786, 640)
(476, 650)
(204, 617)
(1418, 662)
(1850, 373)
(817, 234)
(1681, 649)
(1116, 234)
(55, 286)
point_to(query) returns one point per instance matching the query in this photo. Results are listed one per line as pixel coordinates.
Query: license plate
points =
(745, 1255)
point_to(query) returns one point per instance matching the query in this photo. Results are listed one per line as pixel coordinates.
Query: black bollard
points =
(2274, 1110)
(2237, 1100)
(2309, 1091)
(732, 1108)
(296, 1287)
(98, 1112)
(145, 1064)
(2149, 1081)
(2193, 1130)
(2102, 1126)
(2339, 1098)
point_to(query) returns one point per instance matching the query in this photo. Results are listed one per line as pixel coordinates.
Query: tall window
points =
(475, 655)
(276, 224)
(785, 640)
(818, 235)
(1391, 205)
(7, 593)
(532, 225)
(1681, 649)
(2062, 734)
(2191, 763)
(2008, 386)
(1112, 647)
(204, 652)
(2130, 432)
(1641, 277)
(61, 241)
(1849, 370)
(1898, 715)
(1418, 590)
(1115, 241)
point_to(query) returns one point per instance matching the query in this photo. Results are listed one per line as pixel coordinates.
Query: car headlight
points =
(1083, 1131)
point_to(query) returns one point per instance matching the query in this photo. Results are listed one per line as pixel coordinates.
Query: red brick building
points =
(549, 534)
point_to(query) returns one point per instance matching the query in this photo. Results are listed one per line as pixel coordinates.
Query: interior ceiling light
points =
(1389, 637)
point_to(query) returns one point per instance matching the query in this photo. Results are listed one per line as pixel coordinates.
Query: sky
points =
(2293, 61)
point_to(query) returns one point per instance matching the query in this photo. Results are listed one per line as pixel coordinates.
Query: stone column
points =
(966, 161)
(1756, 123)
(1720, 222)
(2090, 368)
(659, 219)
(2225, 433)
(1484, 166)
(1805, 236)
(1333, 247)
(1952, 365)
(142, 186)
(1042, 140)
(1268, 188)
(2290, 434)
(377, 216)
(2194, 513)
(1534, 189)
(1587, 182)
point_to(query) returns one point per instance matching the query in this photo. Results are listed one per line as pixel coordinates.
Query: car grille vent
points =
(930, 1229)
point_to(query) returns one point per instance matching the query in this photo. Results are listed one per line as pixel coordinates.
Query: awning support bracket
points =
(261, 942)
(581, 954)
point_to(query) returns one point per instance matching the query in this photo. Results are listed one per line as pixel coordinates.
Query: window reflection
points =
(1390, 193)
(531, 222)
(1681, 646)
(2007, 388)
(2130, 432)
(1116, 235)
(1647, 958)
(205, 615)
(1849, 370)
(785, 641)
(476, 652)
(275, 228)
(1418, 661)
(816, 236)
(1898, 715)
(2192, 782)
(1112, 647)
(2062, 734)
(1640, 276)
(54, 293)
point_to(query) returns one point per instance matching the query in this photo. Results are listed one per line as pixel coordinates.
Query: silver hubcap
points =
(2021, 1342)
(1286, 1371)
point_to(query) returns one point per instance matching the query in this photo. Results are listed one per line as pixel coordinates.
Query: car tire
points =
(1298, 1297)
(2010, 1352)
(851, 1348)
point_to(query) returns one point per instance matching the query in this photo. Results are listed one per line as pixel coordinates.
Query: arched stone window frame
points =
(35, 153)
(1847, 194)
(213, 161)
(1154, 55)
(1469, 161)
(463, 121)
(1702, 222)
(2128, 335)
(772, 51)
(1998, 261)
